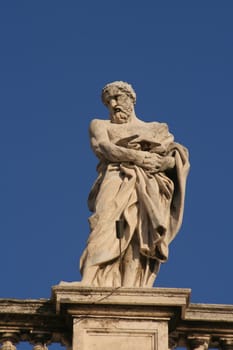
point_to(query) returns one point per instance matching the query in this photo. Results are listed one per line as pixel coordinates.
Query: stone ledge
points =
(30, 318)
(26, 306)
(145, 297)
(52, 319)
(209, 312)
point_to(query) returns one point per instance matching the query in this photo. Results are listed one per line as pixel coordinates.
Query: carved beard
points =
(121, 115)
(119, 118)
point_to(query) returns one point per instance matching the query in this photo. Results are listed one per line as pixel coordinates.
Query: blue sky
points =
(55, 57)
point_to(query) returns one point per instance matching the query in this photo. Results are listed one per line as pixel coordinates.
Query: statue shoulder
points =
(98, 128)
(95, 122)
(98, 123)
(157, 126)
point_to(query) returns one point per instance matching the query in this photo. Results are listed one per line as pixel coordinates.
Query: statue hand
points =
(157, 163)
(152, 161)
(168, 163)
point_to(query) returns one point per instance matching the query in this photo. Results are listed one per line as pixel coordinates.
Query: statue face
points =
(119, 104)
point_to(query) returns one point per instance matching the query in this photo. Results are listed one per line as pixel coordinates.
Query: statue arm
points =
(105, 149)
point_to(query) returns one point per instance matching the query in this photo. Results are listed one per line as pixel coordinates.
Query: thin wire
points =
(106, 296)
(121, 262)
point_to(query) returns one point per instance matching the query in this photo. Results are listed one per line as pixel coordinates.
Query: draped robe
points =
(149, 202)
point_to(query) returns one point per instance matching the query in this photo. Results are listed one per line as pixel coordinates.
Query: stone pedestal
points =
(99, 334)
(120, 319)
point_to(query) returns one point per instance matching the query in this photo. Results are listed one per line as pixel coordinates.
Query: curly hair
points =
(122, 86)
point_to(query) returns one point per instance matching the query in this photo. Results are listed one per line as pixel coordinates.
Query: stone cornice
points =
(209, 312)
(51, 319)
(30, 319)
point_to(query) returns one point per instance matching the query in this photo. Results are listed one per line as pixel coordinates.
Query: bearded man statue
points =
(141, 182)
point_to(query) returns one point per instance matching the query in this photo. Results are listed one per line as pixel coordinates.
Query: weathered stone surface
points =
(128, 334)
(210, 312)
(32, 321)
(77, 294)
(123, 318)
(85, 313)
(140, 187)
(195, 326)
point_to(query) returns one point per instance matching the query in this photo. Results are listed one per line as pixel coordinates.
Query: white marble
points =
(141, 181)
(99, 334)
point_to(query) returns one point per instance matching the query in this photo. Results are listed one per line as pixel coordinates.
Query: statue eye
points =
(117, 97)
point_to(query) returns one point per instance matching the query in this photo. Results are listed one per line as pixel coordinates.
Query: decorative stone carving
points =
(55, 320)
(226, 343)
(8, 345)
(39, 340)
(198, 342)
(141, 186)
(40, 346)
(173, 341)
(8, 339)
(33, 321)
(121, 319)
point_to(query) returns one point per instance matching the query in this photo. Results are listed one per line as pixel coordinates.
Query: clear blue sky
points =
(55, 56)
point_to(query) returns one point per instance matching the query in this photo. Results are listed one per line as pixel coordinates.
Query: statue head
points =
(121, 86)
(120, 98)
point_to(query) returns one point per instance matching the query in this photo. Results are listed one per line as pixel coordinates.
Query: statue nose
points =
(113, 102)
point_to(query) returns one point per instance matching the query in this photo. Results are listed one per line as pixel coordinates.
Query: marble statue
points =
(141, 183)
